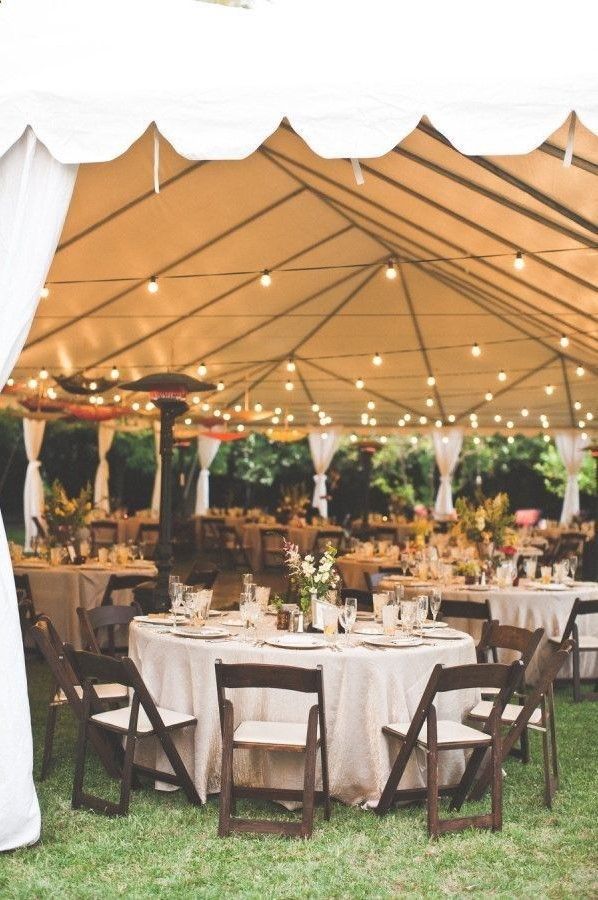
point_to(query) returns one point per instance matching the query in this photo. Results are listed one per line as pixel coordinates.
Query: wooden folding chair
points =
(536, 714)
(133, 723)
(373, 579)
(109, 617)
(518, 640)
(205, 578)
(148, 537)
(121, 583)
(67, 691)
(272, 543)
(291, 737)
(365, 601)
(104, 533)
(25, 603)
(582, 643)
(431, 735)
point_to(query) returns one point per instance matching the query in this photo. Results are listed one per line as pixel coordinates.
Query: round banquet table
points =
(353, 568)
(59, 590)
(529, 607)
(363, 690)
(128, 528)
(303, 536)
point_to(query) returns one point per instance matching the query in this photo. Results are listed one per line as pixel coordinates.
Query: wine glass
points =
(348, 616)
(421, 611)
(435, 601)
(177, 600)
(573, 563)
(408, 616)
(399, 593)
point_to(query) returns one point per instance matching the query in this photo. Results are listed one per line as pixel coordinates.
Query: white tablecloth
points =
(364, 690)
(59, 590)
(531, 608)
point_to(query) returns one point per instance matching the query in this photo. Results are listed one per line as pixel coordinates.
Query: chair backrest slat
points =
(259, 675)
(476, 675)
(110, 617)
(580, 608)
(465, 609)
(510, 637)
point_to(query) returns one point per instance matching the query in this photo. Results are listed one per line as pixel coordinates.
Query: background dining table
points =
(364, 690)
(304, 536)
(59, 590)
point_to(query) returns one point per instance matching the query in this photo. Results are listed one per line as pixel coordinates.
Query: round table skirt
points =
(364, 690)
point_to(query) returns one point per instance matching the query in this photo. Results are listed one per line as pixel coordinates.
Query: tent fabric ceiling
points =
(326, 241)
(352, 78)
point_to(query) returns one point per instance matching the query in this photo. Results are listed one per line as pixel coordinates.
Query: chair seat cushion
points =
(482, 710)
(118, 719)
(289, 735)
(448, 733)
(586, 641)
(111, 691)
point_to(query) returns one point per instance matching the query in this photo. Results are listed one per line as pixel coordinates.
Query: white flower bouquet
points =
(311, 578)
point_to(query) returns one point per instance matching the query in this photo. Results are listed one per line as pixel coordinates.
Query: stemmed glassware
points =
(421, 612)
(177, 600)
(249, 608)
(347, 617)
(573, 563)
(408, 616)
(435, 601)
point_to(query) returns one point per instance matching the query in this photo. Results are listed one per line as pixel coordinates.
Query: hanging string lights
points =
(360, 384)
(45, 292)
(564, 341)
(391, 270)
(291, 365)
(114, 373)
(265, 278)
(376, 359)
(502, 375)
(476, 350)
(152, 285)
(519, 261)
(202, 370)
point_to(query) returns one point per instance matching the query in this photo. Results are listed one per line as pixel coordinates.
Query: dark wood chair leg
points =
(77, 797)
(552, 729)
(309, 778)
(48, 740)
(325, 779)
(125, 785)
(524, 746)
(432, 776)
(226, 773)
(576, 677)
(496, 757)
(185, 780)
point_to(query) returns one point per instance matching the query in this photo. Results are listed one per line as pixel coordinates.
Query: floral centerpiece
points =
(311, 578)
(485, 523)
(65, 515)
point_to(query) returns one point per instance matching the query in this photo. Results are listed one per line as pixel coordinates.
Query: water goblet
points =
(348, 616)
(422, 612)
(390, 618)
(531, 565)
(435, 601)
(408, 616)
(573, 563)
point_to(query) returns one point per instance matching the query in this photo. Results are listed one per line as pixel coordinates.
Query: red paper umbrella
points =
(224, 435)
(41, 405)
(94, 413)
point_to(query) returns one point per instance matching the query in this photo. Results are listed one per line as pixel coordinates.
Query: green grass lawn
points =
(166, 848)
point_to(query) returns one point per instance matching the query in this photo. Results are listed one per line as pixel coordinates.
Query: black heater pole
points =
(366, 451)
(169, 411)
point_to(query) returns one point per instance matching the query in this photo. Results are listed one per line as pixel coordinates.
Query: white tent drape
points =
(207, 448)
(322, 446)
(101, 490)
(33, 491)
(158, 474)
(569, 445)
(447, 447)
(34, 195)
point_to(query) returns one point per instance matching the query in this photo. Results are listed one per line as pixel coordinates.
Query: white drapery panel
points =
(101, 489)
(207, 448)
(322, 446)
(570, 447)
(447, 447)
(34, 195)
(33, 491)
(158, 474)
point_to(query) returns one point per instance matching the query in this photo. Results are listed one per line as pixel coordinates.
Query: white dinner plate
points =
(429, 623)
(155, 620)
(234, 623)
(395, 642)
(449, 635)
(297, 642)
(207, 632)
(551, 587)
(478, 587)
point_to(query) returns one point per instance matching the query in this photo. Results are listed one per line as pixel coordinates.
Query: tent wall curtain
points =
(158, 474)
(447, 447)
(33, 491)
(569, 445)
(207, 448)
(322, 446)
(35, 191)
(101, 490)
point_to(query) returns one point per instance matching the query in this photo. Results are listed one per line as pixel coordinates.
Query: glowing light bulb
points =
(564, 341)
(353, 438)
(451, 418)
(315, 408)
(525, 412)
(290, 417)
(93, 400)
(45, 292)
(258, 407)
(226, 416)
(376, 359)
(502, 375)
(476, 350)
(391, 270)
(32, 383)
(519, 261)
(149, 406)
(422, 420)
(476, 440)
(275, 420)
(116, 398)
(510, 439)
(407, 417)
(580, 371)
(444, 439)
(364, 418)
(188, 420)
(202, 370)
(577, 405)
(383, 439)
(135, 406)
(401, 423)
(584, 436)
(195, 400)
(360, 384)
(43, 374)
(510, 424)
(497, 418)
(373, 422)
(240, 427)
(217, 413)
(114, 373)
(205, 407)
(438, 423)
(371, 404)
(549, 389)
(220, 386)
(52, 393)
(289, 386)
(265, 278)
(413, 440)
(546, 438)
(93, 385)
(291, 366)
(589, 416)
(152, 285)
(278, 411)
(429, 401)
(488, 396)
(474, 424)
(238, 407)
(10, 382)
(99, 401)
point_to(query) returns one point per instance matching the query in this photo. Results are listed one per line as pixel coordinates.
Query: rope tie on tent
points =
(357, 171)
(568, 157)
(156, 161)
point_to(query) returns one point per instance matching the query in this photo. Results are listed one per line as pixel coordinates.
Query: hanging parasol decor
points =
(251, 415)
(225, 435)
(94, 413)
(83, 385)
(286, 435)
(42, 408)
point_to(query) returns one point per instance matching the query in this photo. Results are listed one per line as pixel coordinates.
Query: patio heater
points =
(590, 567)
(167, 390)
(367, 449)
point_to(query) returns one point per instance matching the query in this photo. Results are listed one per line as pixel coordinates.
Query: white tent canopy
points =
(89, 78)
